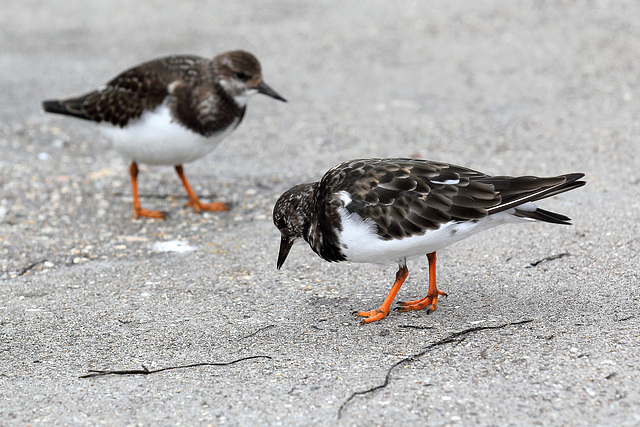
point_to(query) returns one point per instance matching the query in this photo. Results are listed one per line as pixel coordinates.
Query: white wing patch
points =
(345, 197)
(448, 181)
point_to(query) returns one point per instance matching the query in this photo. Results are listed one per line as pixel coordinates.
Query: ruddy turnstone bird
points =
(170, 111)
(389, 210)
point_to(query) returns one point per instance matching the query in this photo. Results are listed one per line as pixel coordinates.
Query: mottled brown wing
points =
(124, 98)
(406, 197)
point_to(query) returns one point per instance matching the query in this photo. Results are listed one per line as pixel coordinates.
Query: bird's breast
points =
(157, 138)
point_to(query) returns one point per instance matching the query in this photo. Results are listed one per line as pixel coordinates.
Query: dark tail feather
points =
(567, 186)
(570, 182)
(54, 106)
(68, 107)
(545, 216)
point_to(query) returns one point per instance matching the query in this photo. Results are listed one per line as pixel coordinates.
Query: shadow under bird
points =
(171, 111)
(390, 210)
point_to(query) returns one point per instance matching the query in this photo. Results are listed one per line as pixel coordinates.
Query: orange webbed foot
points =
(194, 202)
(428, 302)
(381, 313)
(209, 207)
(145, 213)
(371, 316)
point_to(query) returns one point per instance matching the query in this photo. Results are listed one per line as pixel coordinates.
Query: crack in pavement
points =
(549, 258)
(146, 371)
(447, 340)
(258, 331)
(26, 269)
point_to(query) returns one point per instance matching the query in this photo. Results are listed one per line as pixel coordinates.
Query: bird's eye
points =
(242, 75)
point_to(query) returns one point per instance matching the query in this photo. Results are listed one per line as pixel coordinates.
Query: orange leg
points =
(193, 199)
(431, 300)
(137, 209)
(374, 315)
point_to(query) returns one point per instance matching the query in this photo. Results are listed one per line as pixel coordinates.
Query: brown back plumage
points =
(406, 197)
(140, 88)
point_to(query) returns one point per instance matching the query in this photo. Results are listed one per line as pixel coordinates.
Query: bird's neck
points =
(320, 232)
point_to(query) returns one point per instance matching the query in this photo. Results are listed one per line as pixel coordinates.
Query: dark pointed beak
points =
(265, 89)
(285, 247)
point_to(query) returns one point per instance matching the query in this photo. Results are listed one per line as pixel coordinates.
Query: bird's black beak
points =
(285, 247)
(265, 89)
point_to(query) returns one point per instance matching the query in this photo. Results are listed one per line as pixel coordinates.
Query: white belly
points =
(360, 243)
(156, 139)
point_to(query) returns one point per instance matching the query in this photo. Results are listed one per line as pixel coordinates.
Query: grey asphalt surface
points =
(527, 87)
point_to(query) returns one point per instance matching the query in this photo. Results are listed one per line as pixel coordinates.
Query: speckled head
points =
(292, 215)
(240, 74)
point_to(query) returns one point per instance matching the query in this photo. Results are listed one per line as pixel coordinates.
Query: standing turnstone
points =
(388, 210)
(170, 111)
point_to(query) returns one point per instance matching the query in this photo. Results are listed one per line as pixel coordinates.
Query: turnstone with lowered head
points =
(170, 111)
(389, 210)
